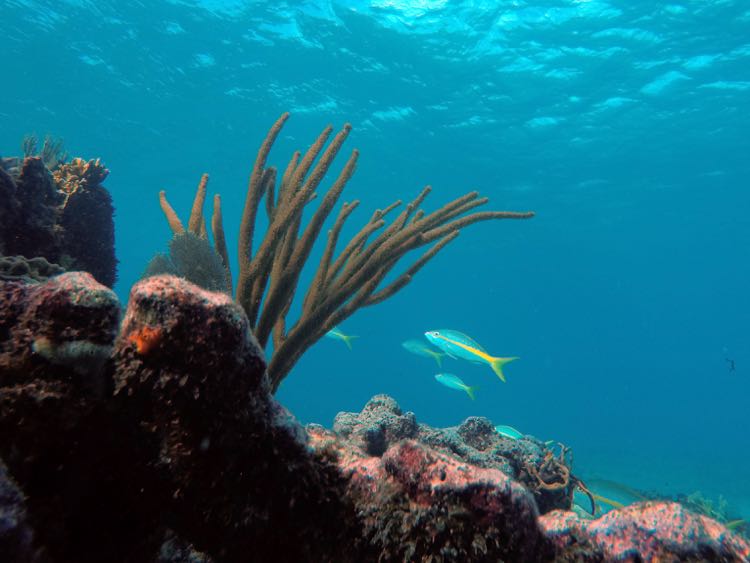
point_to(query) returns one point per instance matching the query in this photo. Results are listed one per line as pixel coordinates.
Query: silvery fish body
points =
(455, 382)
(421, 349)
(455, 344)
(508, 432)
(458, 345)
(336, 333)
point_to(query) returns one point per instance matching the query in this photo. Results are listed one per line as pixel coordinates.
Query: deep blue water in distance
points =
(623, 124)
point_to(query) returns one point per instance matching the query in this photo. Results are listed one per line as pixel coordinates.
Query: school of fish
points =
(442, 343)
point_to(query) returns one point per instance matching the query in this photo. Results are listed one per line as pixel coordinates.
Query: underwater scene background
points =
(623, 125)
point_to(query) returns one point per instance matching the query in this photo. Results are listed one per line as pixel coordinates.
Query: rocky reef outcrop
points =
(122, 438)
(154, 437)
(64, 215)
(647, 531)
(529, 461)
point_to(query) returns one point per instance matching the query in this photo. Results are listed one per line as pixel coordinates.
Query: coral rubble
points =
(63, 215)
(156, 438)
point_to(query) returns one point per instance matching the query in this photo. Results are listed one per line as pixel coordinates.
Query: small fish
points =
(335, 332)
(508, 432)
(454, 382)
(458, 345)
(609, 501)
(421, 349)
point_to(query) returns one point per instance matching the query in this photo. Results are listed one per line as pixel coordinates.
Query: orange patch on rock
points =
(145, 339)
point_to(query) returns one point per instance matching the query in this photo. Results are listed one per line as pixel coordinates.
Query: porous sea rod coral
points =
(268, 275)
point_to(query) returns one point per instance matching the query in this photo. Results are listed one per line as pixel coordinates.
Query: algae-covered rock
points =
(646, 531)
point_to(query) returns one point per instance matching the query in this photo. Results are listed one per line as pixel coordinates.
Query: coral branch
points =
(172, 219)
(217, 229)
(195, 224)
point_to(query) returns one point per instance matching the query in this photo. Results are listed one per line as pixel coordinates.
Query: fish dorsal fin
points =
(462, 338)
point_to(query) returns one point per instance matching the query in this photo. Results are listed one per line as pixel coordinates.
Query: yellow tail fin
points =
(470, 392)
(347, 340)
(438, 358)
(497, 366)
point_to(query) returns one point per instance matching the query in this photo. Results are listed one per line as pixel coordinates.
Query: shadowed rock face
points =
(174, 430)
(156, 438)
(59, 331)
(16, 536)
(189, 370)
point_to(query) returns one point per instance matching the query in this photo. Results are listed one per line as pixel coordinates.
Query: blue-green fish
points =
(508, 432)
(458, 345)
(454, 382)
(421, 349)
(335, 332)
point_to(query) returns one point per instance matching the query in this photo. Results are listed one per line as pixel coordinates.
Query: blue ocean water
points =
(623, 125)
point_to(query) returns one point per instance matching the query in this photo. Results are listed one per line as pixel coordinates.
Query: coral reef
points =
(63, 215)
(382, 424)
(86, 220)
(192, 258)
(418, 504)
(465, 494)
(157, 438)
(268, 276)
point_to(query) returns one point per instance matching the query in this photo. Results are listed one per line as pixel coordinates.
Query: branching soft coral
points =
(269, 274)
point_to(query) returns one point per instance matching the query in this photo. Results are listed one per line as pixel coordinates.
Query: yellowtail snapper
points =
(458, 345)
(454, 382)
(336, 333)
(421, 349)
